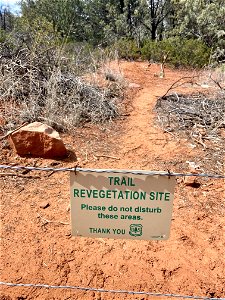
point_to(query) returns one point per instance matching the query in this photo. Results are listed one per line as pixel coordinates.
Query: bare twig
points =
(197, 115)
(107, 156)
(50, 174)
(199, 142)
(175, 86)
(167, 131)
(133, 149)
(216, 82)
(49, 221)
(19, 175)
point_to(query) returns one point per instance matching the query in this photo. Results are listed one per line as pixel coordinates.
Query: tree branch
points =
(173, 85)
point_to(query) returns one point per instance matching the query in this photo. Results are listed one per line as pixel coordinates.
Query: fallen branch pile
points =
(198, 116)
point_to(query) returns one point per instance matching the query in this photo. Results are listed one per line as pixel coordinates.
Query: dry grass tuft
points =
(48, 85)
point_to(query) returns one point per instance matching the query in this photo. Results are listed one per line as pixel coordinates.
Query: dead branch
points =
(49, 221)
(216, 82)
(175, 86)
(196, 115)
(200, 142)
(133, 149)
(20, 175)
(167, 131)
(107, 156)
(50, 174)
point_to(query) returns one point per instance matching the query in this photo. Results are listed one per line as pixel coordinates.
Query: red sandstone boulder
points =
(38, 140)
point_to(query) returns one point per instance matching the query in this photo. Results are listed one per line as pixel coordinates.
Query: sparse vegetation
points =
(42, 79)
(195, 115)
(47, 52)
(198, 117)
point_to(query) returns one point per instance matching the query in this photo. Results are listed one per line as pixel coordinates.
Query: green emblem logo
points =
(135, 230)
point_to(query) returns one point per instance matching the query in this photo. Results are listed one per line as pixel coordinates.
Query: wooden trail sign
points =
(117, 205)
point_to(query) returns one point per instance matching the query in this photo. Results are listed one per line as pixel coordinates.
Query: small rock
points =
(192, 180)
(189, 180)
(134, 85)
(193, 167)
(38, 140)
(110, 77)
(44, 204)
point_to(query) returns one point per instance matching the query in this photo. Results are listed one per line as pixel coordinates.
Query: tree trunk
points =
(122, 6)
(153, 32)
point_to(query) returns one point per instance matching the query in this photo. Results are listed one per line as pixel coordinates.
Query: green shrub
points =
(127, 49)
(3, 35)
(181, 52)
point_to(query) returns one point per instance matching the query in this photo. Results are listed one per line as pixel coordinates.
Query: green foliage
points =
(127, 49)
(182, 28)
(37, 33)
(3, 35)
(100, 22)
(66, 16)
(181, 52)
(204, 20)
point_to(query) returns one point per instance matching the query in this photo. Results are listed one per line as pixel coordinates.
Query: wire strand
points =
(88, 289)
(135, 172)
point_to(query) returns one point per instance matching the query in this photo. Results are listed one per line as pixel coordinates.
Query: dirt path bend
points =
(143, 143)
(36, 244)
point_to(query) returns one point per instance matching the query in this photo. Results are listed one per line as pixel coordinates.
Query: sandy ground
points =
(36, 243)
